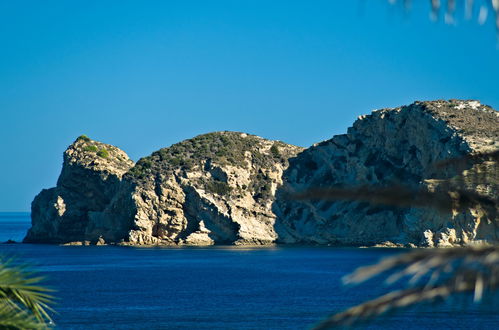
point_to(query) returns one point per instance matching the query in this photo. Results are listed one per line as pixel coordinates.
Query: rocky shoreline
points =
(231, 188)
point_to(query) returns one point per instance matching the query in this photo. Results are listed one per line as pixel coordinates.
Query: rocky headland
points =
(214, 188)
(234, 188)
(399, 146)
(91, 176)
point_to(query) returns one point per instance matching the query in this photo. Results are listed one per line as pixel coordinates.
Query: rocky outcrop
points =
(233, 188)
(214, 188)
(90, 177)
(394, 146)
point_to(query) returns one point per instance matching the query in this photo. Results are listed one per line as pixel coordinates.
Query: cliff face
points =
(232, 188)
(90, 177)
(215, 188)
(394, 146)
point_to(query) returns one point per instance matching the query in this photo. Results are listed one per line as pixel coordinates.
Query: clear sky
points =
(145, 74)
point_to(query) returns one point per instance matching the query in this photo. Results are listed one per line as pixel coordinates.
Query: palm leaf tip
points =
(22, 297)
(432, 273)
(445, 201)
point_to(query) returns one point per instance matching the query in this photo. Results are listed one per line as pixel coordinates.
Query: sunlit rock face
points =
(233, 188)
(216, 188)
(90, 177)
(387, 147)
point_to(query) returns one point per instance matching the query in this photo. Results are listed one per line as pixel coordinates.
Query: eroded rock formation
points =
(389, 147)
(233, 188)
(215, 188)
(90, 177)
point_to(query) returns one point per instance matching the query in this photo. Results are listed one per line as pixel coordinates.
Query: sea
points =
(219, 287)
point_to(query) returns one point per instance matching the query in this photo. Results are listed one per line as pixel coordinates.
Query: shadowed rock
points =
(390, 148)
(90, 177)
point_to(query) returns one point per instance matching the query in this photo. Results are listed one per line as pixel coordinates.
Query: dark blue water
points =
(13, 226)
(216, 288)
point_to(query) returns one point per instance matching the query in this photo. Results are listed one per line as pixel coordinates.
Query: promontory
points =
(234, 188)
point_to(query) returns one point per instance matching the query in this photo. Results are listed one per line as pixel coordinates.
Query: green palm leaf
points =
(24, 304)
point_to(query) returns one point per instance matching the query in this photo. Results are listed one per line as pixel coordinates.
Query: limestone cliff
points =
(394, 146)
(90, 177)
(214, 188)
(233, 188)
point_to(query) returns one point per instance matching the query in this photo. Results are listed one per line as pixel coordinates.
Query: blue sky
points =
(145, 74)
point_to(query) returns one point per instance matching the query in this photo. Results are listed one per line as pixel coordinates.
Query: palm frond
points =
(400, 196)
(15, 319)
(22, 296)
(463, 161)
(431, 273)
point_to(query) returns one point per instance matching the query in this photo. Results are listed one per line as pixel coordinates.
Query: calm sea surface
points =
(217, 288)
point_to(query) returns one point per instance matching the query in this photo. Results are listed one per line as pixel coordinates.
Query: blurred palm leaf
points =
(479, 10)
(461, 163)
(445, 201)
(24, 304)
(432, 274)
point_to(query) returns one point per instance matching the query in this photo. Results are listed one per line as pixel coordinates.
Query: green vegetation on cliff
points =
(83, 137)
(224, 148)
(103, 153)
(218, 187)
(91, 148)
